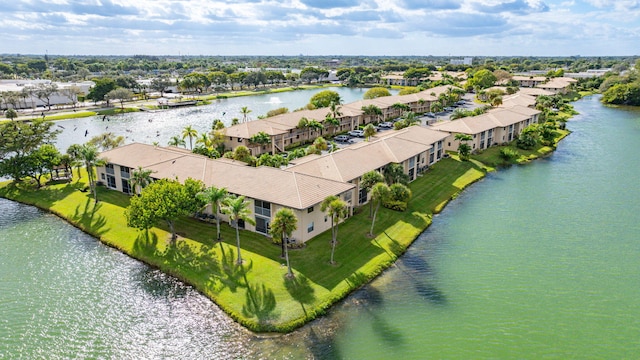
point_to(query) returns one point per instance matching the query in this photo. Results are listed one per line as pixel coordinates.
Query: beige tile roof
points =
(525, 78)
(351, 162)
(518, 99)
(286, 188)
(499, 117)
(250, 128)
(534, 91)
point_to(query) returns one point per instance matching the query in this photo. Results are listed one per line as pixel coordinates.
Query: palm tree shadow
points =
(232, 276)
(89, 219)
(260, 301)
(300, 290)
(146, 245)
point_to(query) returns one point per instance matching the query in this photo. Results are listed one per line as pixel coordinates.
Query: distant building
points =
(463, 61)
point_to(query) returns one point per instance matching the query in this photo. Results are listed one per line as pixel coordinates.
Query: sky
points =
(321, 27)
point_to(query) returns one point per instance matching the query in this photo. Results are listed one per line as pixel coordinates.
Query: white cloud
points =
(419, 27)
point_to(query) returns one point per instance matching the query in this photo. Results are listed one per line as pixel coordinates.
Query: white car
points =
(356, 133)
(342, 138)
(386, 125)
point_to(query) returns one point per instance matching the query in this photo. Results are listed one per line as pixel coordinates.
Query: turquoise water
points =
(534, 261)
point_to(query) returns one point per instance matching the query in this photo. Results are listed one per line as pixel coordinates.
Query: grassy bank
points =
(257, 294)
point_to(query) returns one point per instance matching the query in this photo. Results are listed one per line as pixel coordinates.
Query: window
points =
(239, 140)
(310, 210)
(126, 188)
(110, 169)
(412, 162)
(347, 196)
(325, 218)
(262, 208)
(262, 225)
(111, 181)
(310, 227)
(124, 172)
(362, 196)
(102, 176)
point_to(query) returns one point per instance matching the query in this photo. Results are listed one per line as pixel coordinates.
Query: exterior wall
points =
(114, 177)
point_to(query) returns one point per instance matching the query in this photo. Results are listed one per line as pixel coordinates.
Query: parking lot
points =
(468, 104)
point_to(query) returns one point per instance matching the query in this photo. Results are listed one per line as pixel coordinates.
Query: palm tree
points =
(204, 140)
(464, 149)
(284, 223)
(367, 181)
(371, 110)
(237, 209)
(215, 197)
(394, 173)
(379, 193)
(337, 210)
(89, 154)
(176, 141)
(74, 152)
(189, 132)
(333, 122)
(140, 178)
(245, 113)
(369, 131)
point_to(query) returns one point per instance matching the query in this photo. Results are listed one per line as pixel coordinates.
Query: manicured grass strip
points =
(257, 294)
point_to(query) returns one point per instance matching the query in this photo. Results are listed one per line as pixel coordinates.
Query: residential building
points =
(267, 189)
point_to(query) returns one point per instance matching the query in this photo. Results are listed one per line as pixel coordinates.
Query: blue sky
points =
(321, 27)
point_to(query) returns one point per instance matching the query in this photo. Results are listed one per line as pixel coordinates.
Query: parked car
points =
(430, 114)
(386, 125)
(342, 138)
(356, 133)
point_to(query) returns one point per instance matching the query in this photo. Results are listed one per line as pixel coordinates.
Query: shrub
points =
(395, 205)
(508, 154)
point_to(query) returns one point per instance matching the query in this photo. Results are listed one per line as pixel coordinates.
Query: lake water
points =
(535, 261)
(160, 126)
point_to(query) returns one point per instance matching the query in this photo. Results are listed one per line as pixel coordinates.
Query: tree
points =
(71, 93)
(325, 98)
(89, 154)
(379, 193)
(101, 88)
(245, 113)
(215, 197)
(41, 161)
(163, 200)
(238, 210)
(120, 94)
(400, 192)
(337, 209)
(394, 173)
(44, 92)
(242, 153)
(367, 181)
(140, 178)
(106, 141)
(189, 132)
(369, 131)
(528, 138)
(376, 92)
(11, 114)
(18, 140)
(372, 110)
(75, 156)
(176, 141)
(464, 150)
(160, 84)
(261, 138)
(283, 225)
(320, 143)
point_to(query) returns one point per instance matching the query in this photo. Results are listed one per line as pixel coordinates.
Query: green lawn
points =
(257, 294)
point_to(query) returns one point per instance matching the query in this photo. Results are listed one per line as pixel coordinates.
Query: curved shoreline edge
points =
(249, 304)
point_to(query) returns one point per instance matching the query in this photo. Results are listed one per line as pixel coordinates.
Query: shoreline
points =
(405, 235)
